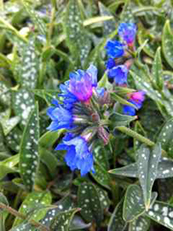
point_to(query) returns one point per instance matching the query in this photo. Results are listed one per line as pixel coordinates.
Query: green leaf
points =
(8, 125)
(5, 96)
(78, 224)
(167, 43)
(63, 220)
(49, 138)
(29, 66)
(117, 223)
(89, 202)
(29, 158)
(157, 70)
(133, 203)
(104, 199)
(32, 202)
(23, 103)
(165, 137)
(118, 119)
(122, 101)
(76, 36)
(141, 223)
(38, 22)
(101, 176)
(3, 199)
(147, 170)
(162, 213)
(7, 165)
(108, 26)
(130, 170)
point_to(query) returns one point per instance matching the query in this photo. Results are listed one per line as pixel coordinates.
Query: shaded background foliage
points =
(41, 42)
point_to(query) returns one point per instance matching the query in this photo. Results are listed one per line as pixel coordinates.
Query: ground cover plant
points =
(86, 115)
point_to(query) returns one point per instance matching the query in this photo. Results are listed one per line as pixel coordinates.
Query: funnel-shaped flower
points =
(114, 49)
(78, 155)
(127, 31)
(119, 73)
(135, 98)
(61, 117)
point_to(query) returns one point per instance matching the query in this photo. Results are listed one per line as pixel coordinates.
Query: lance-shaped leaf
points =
(38, 22)
(130, 170)
(29, 158)
(166, 137)
(141, 223)
(162, 213)
(147, 170)
(31, 203)
(133, 203)
(118, 119)
(63, 220)
(101, 176)
(23, 103)
(8, 125)
(89, 202)
(117, 223)
(157, 70)
(167, 43)
(29, 66)
(165, 169)
(77, 38)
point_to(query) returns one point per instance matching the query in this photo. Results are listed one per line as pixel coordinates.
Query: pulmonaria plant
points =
(78, 112)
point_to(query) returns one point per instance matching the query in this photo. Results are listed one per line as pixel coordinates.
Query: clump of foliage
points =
(130, 183)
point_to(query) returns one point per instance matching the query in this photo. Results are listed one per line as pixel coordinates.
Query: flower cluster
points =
(118, 52)
(77, 113)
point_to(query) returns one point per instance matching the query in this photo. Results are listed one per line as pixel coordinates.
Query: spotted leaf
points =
(8, 125)
(133, 203)
(29, 66)
(63, 220)
(166, 137)
(89, 202)
(157, 70)
(147, 170)
(117, 223)
(30, 206)
(23, 103)
(130, 170)
(142, 223)
(29, 158)
(162, 213)
(77, 38)
(167, 43)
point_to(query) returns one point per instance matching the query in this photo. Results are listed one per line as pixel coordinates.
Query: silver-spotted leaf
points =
(157, 70)
(30, 205)
(142, 223)
(162, 213)
(89, 202)
(23, 103)
(167, 43)
(29, 158)
(63, 220)
(166, 137)
(117, 223)
(133, 203)
(147, 169)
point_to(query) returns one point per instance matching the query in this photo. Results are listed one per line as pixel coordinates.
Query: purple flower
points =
(114, 49)
(119, 73)
(80, 85)
(78, 155)
(61, 117)
(110, 63)
(127, 31)
(137, 99)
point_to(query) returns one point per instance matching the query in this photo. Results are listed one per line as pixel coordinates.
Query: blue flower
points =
(114, 49)
(110, 63)
(137, 99)
(60, 116)
(119, 73)
(78, 155)
(127, 31)
(80, 86)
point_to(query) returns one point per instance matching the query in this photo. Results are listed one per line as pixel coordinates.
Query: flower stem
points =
(22, 216)
(137, 136)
